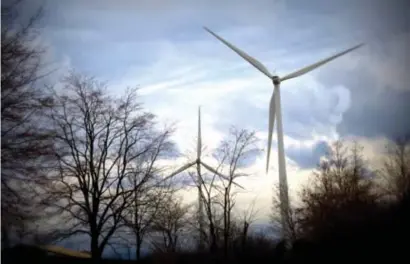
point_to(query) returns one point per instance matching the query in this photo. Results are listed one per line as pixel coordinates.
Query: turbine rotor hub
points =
(275, 80)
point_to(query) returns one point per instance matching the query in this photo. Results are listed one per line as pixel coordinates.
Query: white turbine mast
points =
(198, 162)
(275, 109)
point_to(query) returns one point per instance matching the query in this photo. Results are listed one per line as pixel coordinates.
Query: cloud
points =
(383, 115)
(379, 86)
(308, 157)
(309, 108)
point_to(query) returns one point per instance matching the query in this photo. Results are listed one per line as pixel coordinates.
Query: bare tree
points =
(99, 139)
(247, 218)
(340, 192)
(208, 201)
(149, 188)
(233, 153)
(396, 170)
(216, 194)
(170, 223)
(25, 139)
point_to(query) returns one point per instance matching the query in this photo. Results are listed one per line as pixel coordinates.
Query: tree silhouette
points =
(25, 134)
(100, 143)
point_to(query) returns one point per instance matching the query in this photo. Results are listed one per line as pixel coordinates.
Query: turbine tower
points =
(198, 162)
(275, 109)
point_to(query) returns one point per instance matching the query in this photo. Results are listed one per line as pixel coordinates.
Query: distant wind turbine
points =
(275, 108)
(198, 162)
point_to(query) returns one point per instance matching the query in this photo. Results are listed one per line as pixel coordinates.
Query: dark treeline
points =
(80, 162)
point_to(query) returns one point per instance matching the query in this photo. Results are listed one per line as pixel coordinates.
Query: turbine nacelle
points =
(276, 80)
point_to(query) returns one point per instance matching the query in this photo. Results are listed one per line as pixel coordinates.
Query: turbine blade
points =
(270, 130)
(186, 166)
(199, 146)
(219, 174)
(258, 65)
(318, 64)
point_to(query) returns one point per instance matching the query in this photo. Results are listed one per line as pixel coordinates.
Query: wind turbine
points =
(275, 108)
(198, 162)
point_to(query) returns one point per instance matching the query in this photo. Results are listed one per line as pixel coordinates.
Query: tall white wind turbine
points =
(198, 162)
(275, 109)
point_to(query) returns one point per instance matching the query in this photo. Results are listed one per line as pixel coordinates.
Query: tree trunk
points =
(213, 237)
(226, 231)
(170, 246)
(138, 246)
(244, 234)
(95, 250)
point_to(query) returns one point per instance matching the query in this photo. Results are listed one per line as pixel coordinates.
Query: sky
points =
(161, 47)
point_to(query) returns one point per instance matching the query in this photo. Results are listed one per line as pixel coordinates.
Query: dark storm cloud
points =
(377, 78)
(384, 113)
(380, 90)
(309, 157)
